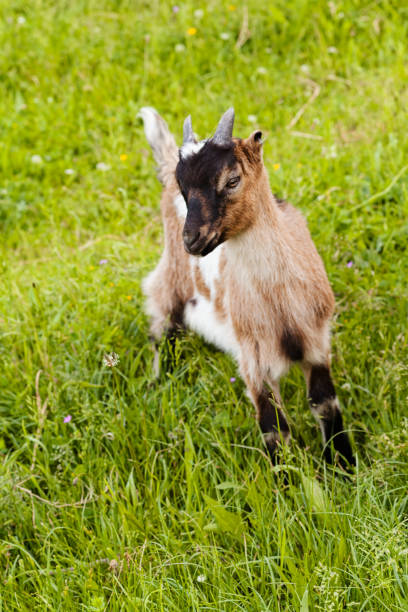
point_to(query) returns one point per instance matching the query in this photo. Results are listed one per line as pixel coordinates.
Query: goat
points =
(240, 268)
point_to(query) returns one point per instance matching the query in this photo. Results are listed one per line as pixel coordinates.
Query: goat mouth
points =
(202, 248)
(210, 246)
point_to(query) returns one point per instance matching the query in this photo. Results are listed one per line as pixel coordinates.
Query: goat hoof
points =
(345, 463)
(274, 441)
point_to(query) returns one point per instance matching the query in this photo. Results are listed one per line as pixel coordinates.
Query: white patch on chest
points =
(209, 268)
(180, 206)
(199, 316)
(199, 312)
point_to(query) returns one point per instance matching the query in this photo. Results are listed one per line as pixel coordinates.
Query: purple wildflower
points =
(232, 379)
(349, 264)
(103, 262)
(68, 418)
(176, 9)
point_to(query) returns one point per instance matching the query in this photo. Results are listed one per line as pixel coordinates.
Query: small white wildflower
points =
(102, 166)
(332, 50)
(50, 99)
(111, 359)
(225, 35)
(329, 152)
(69, 171)
(36, 159)
(21, 20)
(201, 578)
(113, 565)
(340, 15)
(305, 68)
(199, 13)
(332, 152)
(261, 70)
(180, 48)
(252, 118)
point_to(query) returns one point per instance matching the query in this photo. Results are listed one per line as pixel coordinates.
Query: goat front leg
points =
(165, 308)
(326, 409)
(272, 421)
(271, 418)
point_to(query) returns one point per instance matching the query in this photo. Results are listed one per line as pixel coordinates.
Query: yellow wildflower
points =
(111, 284)
(191, 31)
(276, 166)
(128, 297)
(92, 267)
(232, 7)
(123, 157)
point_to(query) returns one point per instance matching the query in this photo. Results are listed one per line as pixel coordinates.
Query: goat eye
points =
(233, 182)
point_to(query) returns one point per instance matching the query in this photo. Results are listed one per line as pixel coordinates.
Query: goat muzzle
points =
(196, 243)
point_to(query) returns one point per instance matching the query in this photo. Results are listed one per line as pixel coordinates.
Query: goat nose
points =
(190, 237)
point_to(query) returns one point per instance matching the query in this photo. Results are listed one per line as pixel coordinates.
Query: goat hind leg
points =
(325, 408)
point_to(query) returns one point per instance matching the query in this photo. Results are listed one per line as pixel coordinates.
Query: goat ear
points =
(188, 134)
(254, 144)
(256, 138)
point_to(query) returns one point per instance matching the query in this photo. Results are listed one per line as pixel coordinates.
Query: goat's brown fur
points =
(267, 300)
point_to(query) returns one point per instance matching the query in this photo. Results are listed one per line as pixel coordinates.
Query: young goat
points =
(240, 268)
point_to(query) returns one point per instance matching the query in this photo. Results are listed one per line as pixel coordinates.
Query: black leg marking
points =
(272, 422)
(341, 441)
(176, 315)
(166, 348)
(321, 385)
(325, 407)
(292, 344)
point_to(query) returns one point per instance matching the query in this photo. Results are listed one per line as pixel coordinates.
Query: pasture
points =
(120, 491)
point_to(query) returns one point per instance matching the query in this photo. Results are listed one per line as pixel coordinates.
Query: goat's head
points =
(217, 177)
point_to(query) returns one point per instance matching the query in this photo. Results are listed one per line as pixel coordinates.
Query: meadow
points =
(120, 491)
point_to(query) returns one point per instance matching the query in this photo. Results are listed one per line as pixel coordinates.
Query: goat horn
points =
(188, 134)
(223, 133)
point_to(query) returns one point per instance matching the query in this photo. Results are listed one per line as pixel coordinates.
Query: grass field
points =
(122, 492)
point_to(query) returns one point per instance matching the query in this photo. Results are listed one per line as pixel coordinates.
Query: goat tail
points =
(162, 142)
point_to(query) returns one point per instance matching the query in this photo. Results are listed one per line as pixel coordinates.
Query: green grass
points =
(158, 494)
